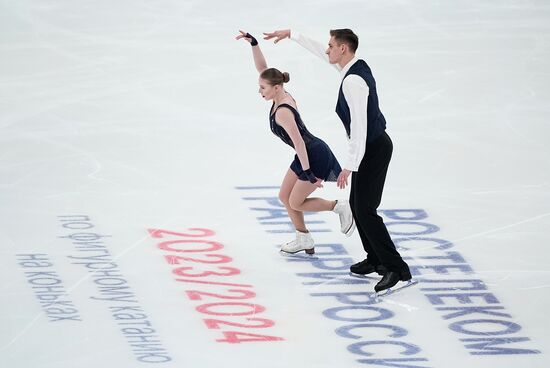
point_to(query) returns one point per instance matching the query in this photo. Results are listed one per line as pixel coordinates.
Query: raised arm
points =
(259, 59)
(313, 46)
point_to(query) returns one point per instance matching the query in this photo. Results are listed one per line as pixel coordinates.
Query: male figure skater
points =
(369, 151)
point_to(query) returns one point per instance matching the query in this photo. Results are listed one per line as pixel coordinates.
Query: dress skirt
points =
(322, 162)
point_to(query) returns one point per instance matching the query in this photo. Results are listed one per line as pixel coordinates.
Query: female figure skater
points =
(313, 162)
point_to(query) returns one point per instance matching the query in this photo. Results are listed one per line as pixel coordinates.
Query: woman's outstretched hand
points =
(248, 37)
(277, 35)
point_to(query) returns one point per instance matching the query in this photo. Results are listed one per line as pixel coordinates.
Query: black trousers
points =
(367, 185)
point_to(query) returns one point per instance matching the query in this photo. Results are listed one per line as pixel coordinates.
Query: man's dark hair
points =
(346, 36)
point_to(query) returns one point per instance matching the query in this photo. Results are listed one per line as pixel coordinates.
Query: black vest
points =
(376, 123)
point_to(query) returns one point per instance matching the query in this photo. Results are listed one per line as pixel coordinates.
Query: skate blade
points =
(351, 229)
(394, 289)
(300, 254)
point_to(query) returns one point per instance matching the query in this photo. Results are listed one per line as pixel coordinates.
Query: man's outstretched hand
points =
(277, 35)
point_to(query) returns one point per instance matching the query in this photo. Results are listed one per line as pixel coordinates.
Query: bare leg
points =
(297, 217)
(299, 200)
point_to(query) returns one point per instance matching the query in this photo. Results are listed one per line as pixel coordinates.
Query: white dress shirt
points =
(356, 92)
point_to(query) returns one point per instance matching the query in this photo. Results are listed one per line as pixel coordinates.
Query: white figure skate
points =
(303, 242)
(347, 223)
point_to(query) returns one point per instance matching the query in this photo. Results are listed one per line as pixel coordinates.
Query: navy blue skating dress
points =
(322, 161)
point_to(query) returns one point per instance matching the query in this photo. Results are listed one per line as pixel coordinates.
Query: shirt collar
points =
(346, 67)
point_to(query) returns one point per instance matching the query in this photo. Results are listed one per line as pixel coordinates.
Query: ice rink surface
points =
(139, 219)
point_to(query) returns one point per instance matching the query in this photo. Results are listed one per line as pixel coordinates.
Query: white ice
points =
(140, 115)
